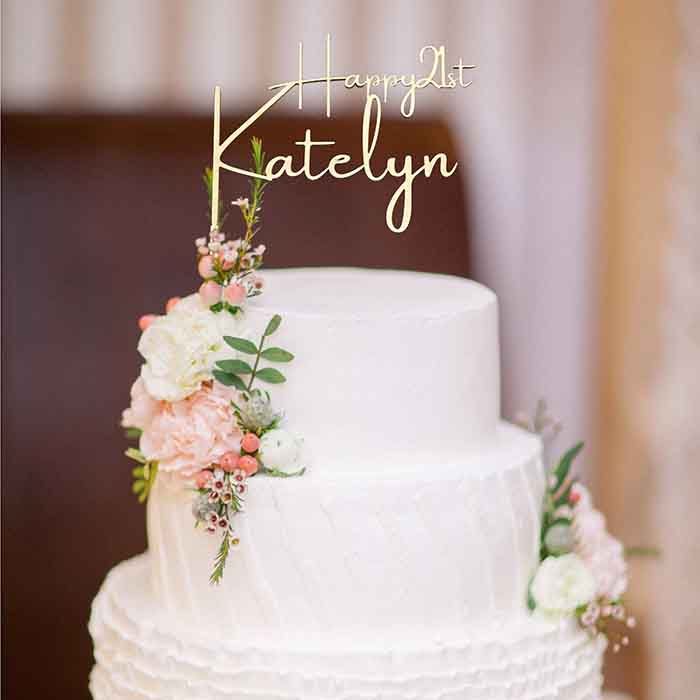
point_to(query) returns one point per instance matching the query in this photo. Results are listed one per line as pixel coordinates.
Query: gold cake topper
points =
(438, 77)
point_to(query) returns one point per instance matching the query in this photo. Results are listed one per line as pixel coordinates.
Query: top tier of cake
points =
(387, 363)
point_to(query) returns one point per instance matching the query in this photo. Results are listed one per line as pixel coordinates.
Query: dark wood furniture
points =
(99, 214)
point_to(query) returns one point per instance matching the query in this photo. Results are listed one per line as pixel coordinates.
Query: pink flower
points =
(171, 303)
(146, 321)
(202, 479)
(205, 267)
(210, 293)
(189, 435)
(143, 407)
(250, 442)
(229, 461)
(235, 293)
(602, 553)
(248, 464)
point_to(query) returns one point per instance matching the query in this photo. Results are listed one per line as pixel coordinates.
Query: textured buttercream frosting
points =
(374, 557)
(390, 366)
(144, 654)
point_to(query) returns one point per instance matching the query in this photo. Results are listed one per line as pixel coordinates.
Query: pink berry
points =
(250, 442)
(170, 304)
(146, 321)
(248, 464)
(234, 294)
(210, 293)
(202, 479)
(205, 267)
(229, 461)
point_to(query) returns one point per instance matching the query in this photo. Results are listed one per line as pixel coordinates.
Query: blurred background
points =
(577, 200)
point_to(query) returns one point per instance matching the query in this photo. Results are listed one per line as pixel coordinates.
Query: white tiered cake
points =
(398, 566)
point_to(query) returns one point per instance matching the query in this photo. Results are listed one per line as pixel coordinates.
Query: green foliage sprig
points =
(557, 495)
(144, 475)
(241, 374)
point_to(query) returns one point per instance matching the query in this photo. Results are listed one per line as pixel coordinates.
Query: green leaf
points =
(133, 453)
(138, 486)
(216, 307)
(137, 472)
(242, 345)
(235, 366)
(133, 433)
(564, 466)
(273, 325)
(276, 355)
(642, 552)
(270, 375)
(229, 379)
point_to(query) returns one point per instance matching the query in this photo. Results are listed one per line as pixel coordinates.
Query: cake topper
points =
(438, 76)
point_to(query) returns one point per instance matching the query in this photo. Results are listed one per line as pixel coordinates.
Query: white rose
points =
(181, 348)
(281, 450)
(562, 584)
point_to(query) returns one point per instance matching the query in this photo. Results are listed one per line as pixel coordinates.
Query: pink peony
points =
(602, 553)
(191, 434)
(143, 407)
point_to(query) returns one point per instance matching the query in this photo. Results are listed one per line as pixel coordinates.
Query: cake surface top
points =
(361, 292)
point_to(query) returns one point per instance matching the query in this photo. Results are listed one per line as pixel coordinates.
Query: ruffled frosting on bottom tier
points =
(142, 654)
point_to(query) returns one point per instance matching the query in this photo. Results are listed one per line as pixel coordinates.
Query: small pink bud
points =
(203, 250)
(205, 267)
(202, 479)
(210, 293)
(248, 464)
(250, 442)
(229, 461)
(226, 264)
(235, 293)
(146, 321)
(170, 304)
(574, 497)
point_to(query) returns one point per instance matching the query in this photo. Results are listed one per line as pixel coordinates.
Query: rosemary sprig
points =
(220, 562)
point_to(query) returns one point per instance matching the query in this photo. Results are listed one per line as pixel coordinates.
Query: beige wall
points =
(643, 50)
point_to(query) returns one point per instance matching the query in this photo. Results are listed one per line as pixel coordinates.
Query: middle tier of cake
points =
(375, 557)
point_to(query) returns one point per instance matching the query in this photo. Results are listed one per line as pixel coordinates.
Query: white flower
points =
(562, 584)
(181, 348)
(279, 449)
(602, 553)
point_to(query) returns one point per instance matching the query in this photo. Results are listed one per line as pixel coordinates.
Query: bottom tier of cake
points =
(143, 654)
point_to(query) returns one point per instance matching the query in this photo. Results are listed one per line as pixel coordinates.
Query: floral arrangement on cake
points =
(197, 407)
(583, 569)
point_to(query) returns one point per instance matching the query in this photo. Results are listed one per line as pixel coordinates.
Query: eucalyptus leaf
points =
(273, 325)
(137, 472)
(270, 375)
(216, 307)
(133, 433)
(242, 345)
(276, 355)
(235, 366)
(138, 486)
(229, 379)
